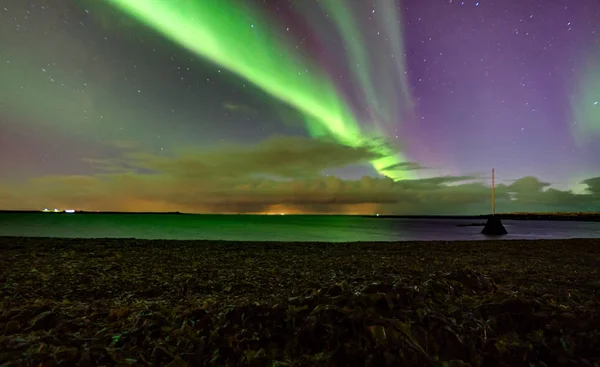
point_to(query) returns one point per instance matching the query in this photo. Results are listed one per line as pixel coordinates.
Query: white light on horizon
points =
(69, 211)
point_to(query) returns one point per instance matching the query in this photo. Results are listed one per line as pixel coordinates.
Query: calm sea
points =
(276, 227)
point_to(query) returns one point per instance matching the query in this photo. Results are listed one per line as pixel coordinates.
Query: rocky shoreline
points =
(136, 302)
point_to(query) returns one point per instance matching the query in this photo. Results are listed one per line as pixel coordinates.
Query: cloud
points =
(281, 174)
(593, 185)
(527, 185)
(107, 165)
(125, 144)
(405, 166)
(230, 106)
(281, 157)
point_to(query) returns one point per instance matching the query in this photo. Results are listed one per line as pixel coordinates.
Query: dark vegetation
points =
(132, 302)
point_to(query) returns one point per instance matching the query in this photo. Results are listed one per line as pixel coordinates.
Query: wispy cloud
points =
(405, 166)
(279, 174)
(241, 108)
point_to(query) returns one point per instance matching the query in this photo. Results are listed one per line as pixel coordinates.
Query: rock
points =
(335, 290)
(161, 354)
(177, 362)
(458, 363)
(66, 354)
(85, 360)
(377, 287)
(494, 227)
(378, 333)
(12, 327)
(473, 280)
(44, 321)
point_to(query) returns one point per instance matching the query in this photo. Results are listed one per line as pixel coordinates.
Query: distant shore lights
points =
(70, 211)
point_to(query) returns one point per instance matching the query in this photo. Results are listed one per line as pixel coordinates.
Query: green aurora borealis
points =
(586, 103)
(236, 38)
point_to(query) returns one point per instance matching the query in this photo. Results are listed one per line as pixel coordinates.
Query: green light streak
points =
(235, 37)
(386, 75)
(355, 50)
(586, 105)
(382, 79)
(392, 18)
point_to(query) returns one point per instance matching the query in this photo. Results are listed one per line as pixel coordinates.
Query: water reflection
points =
(277, 228)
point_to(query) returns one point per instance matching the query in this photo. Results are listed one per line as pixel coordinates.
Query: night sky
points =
(331, 106)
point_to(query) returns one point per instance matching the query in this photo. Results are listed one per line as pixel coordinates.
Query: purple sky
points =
(493, 84)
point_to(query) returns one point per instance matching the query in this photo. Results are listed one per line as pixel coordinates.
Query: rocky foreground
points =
(132, 302)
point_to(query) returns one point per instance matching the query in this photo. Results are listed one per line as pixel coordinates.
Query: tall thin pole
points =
(493, 194)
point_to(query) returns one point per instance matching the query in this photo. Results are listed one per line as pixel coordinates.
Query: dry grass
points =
(132, 302)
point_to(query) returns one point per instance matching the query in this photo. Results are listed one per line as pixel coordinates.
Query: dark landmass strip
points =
(580, 217)
(177, 303)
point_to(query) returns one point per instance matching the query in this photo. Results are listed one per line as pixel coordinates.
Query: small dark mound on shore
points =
(494, 227)
(127, 302)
